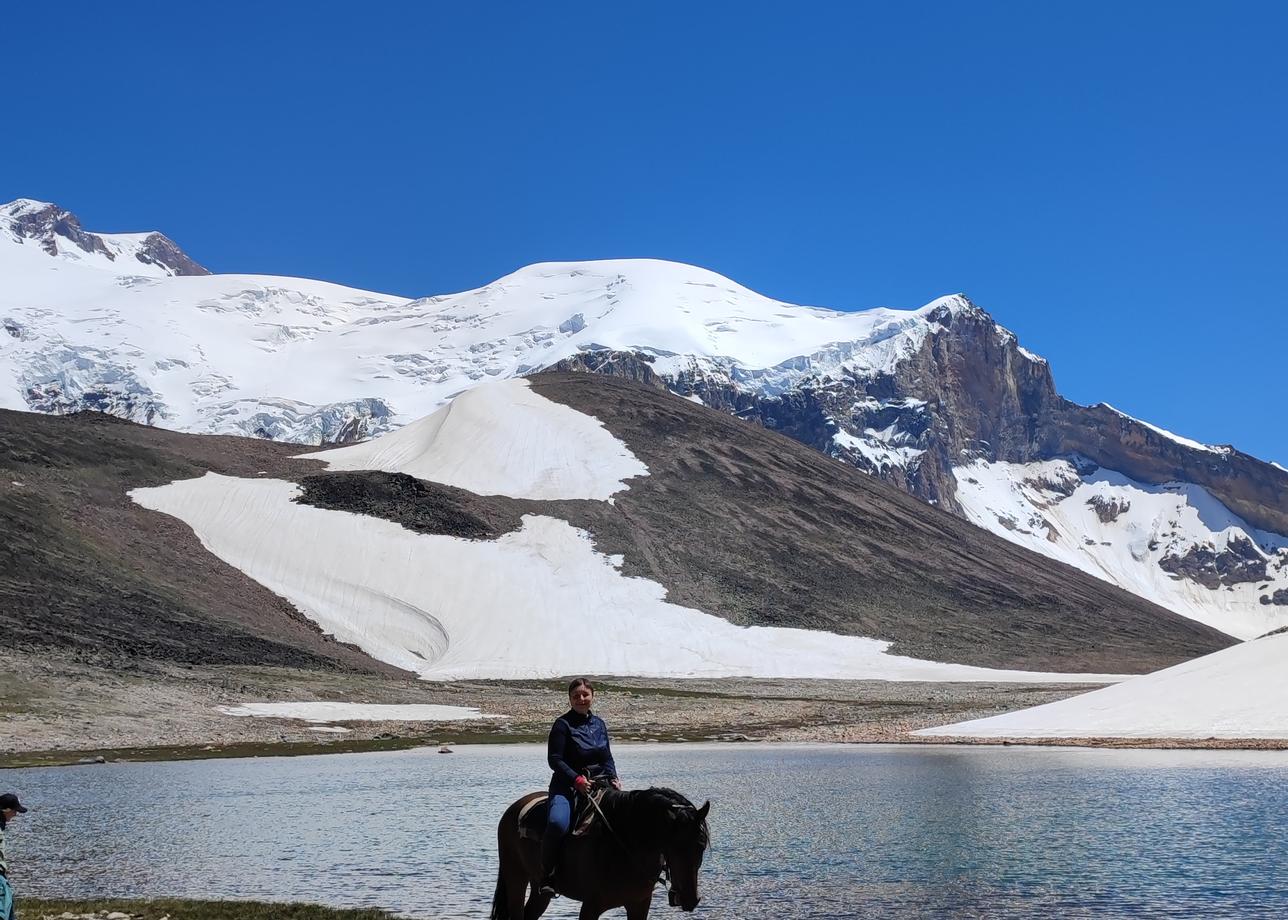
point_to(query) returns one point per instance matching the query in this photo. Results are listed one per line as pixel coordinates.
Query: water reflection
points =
(798, 831)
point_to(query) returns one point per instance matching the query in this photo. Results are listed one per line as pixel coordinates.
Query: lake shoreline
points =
(60, 711)
(187, 909)
(252, 750)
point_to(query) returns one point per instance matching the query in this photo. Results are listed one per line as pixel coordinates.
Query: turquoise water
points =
(798, 831)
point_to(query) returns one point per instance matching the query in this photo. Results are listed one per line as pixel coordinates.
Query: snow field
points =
(1157, 521)
(241, 354)
(1239, 692)
(536, 603)
(501, 438)
(357, 712)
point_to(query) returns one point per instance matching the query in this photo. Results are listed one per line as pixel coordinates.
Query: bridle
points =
(664, 877)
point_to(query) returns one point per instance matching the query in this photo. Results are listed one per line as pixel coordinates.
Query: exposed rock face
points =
(161, 250)
(1237, 563)
(47, 224)
(1108, 509)
(627, 365)
(50, 227)
(1255, 490)
(1280, 598)
(970, 392)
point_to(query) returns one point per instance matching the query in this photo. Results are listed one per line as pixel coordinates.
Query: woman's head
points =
(9, 807)
(581, 694)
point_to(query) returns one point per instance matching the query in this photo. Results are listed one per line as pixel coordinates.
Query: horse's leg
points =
(513, 876)
(638, 910)
(589, 911)
(537, 904)
(516, 884)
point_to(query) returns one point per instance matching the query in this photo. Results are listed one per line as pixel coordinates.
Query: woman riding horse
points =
(578, 751)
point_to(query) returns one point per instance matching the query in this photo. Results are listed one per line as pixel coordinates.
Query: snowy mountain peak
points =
(58, 233)
(20, 207)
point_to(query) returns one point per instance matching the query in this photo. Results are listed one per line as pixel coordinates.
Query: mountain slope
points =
(918, 398)
(733, 523)
(84, 569)
(730, 520)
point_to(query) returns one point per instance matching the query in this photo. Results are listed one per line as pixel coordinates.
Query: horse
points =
(638, 836)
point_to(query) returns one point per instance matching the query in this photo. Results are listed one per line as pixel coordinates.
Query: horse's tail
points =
(500, 909)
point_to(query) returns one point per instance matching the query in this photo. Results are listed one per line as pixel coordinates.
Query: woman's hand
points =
(617, 784)
(581, 784)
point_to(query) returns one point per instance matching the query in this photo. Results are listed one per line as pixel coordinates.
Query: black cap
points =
(9, 800)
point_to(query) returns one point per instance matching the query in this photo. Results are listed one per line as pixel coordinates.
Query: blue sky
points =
(1109, 180)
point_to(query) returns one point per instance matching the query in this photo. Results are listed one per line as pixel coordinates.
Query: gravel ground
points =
(61, 705)
(60, 711)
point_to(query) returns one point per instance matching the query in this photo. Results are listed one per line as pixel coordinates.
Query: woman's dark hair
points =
(581, 682)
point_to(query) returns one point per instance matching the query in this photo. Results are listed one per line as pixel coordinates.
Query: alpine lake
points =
(798, 831)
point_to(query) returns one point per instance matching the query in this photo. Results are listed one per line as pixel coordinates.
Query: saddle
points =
(532, 817)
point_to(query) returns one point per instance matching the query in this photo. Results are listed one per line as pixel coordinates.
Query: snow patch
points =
(1239, 692)
(357, 712)
(501, 438)
(448, 608)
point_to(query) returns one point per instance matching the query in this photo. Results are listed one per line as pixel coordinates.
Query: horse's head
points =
(683, 847)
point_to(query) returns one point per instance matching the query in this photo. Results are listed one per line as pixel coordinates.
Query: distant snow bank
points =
(357, 712)
(501, 438)
(539, 602)
(1239, 692)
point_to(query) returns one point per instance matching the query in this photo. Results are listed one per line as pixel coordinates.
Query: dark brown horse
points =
(642, 834)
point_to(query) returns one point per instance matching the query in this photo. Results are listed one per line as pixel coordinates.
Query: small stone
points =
(445, 750)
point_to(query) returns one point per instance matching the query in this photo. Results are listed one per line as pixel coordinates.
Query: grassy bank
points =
(39, 909)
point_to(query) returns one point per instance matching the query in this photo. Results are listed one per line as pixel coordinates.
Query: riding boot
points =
(549, 861)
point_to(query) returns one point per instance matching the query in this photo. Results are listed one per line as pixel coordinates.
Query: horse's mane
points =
(643, 811)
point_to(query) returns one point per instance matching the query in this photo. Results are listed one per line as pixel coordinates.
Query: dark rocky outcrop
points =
(161, 250)
(1108, 509)
(49, 226)
(425, 507)
(1238, 563)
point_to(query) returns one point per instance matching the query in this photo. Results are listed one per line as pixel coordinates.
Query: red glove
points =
(581, 784)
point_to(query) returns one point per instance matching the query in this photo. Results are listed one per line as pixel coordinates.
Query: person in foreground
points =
(10, 808)
(578, 752)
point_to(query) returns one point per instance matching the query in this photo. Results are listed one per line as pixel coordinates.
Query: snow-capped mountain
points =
(58, 233)
(940, 401)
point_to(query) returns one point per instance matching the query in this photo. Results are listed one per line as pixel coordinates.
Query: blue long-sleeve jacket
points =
(578, 744)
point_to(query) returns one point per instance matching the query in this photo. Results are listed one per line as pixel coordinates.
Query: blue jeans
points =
(557, 822)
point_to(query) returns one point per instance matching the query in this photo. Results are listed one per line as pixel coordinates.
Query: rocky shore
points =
(59, 711)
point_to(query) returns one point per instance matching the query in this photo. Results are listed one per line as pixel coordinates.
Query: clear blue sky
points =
(1109, 180)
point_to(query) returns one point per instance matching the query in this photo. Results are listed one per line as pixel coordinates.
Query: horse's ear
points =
(702, 812)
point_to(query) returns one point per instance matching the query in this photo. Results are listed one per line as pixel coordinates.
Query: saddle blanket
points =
(532, 817)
